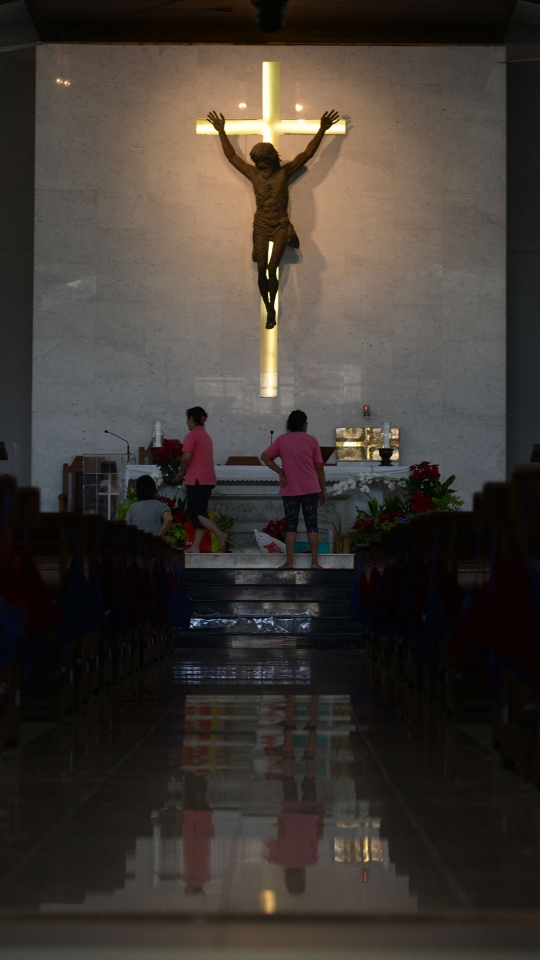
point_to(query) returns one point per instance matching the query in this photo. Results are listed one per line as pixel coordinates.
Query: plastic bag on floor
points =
(269, 544)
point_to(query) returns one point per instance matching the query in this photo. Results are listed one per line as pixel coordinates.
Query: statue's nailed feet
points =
(270, 318)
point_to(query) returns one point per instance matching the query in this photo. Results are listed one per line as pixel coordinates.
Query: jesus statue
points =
(270, 180)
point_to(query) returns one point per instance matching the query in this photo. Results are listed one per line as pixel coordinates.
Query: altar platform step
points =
(280, 578)
(203, 640)
(262, 561)
(255, 607)
(268, 592)
(269, 608)
(272, 623)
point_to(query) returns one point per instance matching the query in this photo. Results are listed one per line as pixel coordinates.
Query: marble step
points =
(270, 577)
(272, 625)
(197, 640)
(212, 607)
(262, 561)
(269, 592)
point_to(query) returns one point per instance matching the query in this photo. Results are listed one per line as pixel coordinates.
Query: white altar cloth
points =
(136, 470)
(340, 471)
(263, 475)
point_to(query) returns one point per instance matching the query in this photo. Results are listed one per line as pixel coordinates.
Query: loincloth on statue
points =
(266, 230)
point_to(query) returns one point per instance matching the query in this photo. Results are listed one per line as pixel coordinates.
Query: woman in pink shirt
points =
(302, 482)
(197, 467)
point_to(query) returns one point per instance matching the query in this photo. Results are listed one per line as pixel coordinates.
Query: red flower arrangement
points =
(177, 509)
(276, 529)
(424, 492)
(390, 515)
(425, 470)
(364, 527)
(419, 503)
(167, 457)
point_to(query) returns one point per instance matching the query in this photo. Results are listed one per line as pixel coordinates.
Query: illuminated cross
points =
(270, 127)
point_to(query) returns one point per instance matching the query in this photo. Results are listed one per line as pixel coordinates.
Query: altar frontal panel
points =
(146, 298)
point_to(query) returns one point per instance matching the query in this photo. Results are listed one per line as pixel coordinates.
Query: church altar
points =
(262, 475)
(251, 495)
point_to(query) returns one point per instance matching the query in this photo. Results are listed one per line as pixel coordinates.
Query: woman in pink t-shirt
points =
(302, 482)
(197, 468)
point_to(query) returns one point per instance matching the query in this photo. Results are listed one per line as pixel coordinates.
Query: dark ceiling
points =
(307, 21)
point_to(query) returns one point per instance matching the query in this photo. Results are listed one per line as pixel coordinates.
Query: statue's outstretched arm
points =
(218, 122)
(327, 120)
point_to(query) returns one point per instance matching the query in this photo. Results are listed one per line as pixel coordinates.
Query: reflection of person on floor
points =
(197, 835)
(300, 823)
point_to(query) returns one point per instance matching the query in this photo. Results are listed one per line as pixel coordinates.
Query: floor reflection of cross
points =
(270, 127)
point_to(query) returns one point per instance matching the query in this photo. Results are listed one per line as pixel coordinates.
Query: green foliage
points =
(124, 505)
(176, 535)
(448, 501)
(223, 520)
(373, 510)
(122, 510)
(382, 512)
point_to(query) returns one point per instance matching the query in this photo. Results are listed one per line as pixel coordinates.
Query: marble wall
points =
(145, 294)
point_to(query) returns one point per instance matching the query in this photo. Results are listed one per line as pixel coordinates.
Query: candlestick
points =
(157, 433)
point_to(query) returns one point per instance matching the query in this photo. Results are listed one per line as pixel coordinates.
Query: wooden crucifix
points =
(272, 229)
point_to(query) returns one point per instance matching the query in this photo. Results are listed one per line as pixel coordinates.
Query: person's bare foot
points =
(191, 550)
(286, 566)
(316, 566)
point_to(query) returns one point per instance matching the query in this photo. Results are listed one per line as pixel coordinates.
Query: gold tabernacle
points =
(363, 443)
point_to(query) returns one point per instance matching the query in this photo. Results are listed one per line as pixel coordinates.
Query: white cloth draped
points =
(263, 474)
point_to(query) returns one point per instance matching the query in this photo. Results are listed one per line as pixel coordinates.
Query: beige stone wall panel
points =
(145, 294)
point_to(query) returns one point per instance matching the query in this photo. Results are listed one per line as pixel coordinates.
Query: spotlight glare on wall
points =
(242, 106)
(298, 107)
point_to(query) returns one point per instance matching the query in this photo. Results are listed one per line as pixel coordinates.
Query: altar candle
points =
(386, 435)
(157, 433)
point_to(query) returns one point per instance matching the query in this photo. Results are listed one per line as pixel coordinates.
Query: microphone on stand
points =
(120, 438)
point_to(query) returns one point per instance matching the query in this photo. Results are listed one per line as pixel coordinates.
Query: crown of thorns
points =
(263, 150)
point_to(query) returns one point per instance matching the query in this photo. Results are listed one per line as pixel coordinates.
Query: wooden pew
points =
(19, 506)
(67, 677)
(504, 523)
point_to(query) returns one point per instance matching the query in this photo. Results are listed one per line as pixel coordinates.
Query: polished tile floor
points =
(266, 785)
